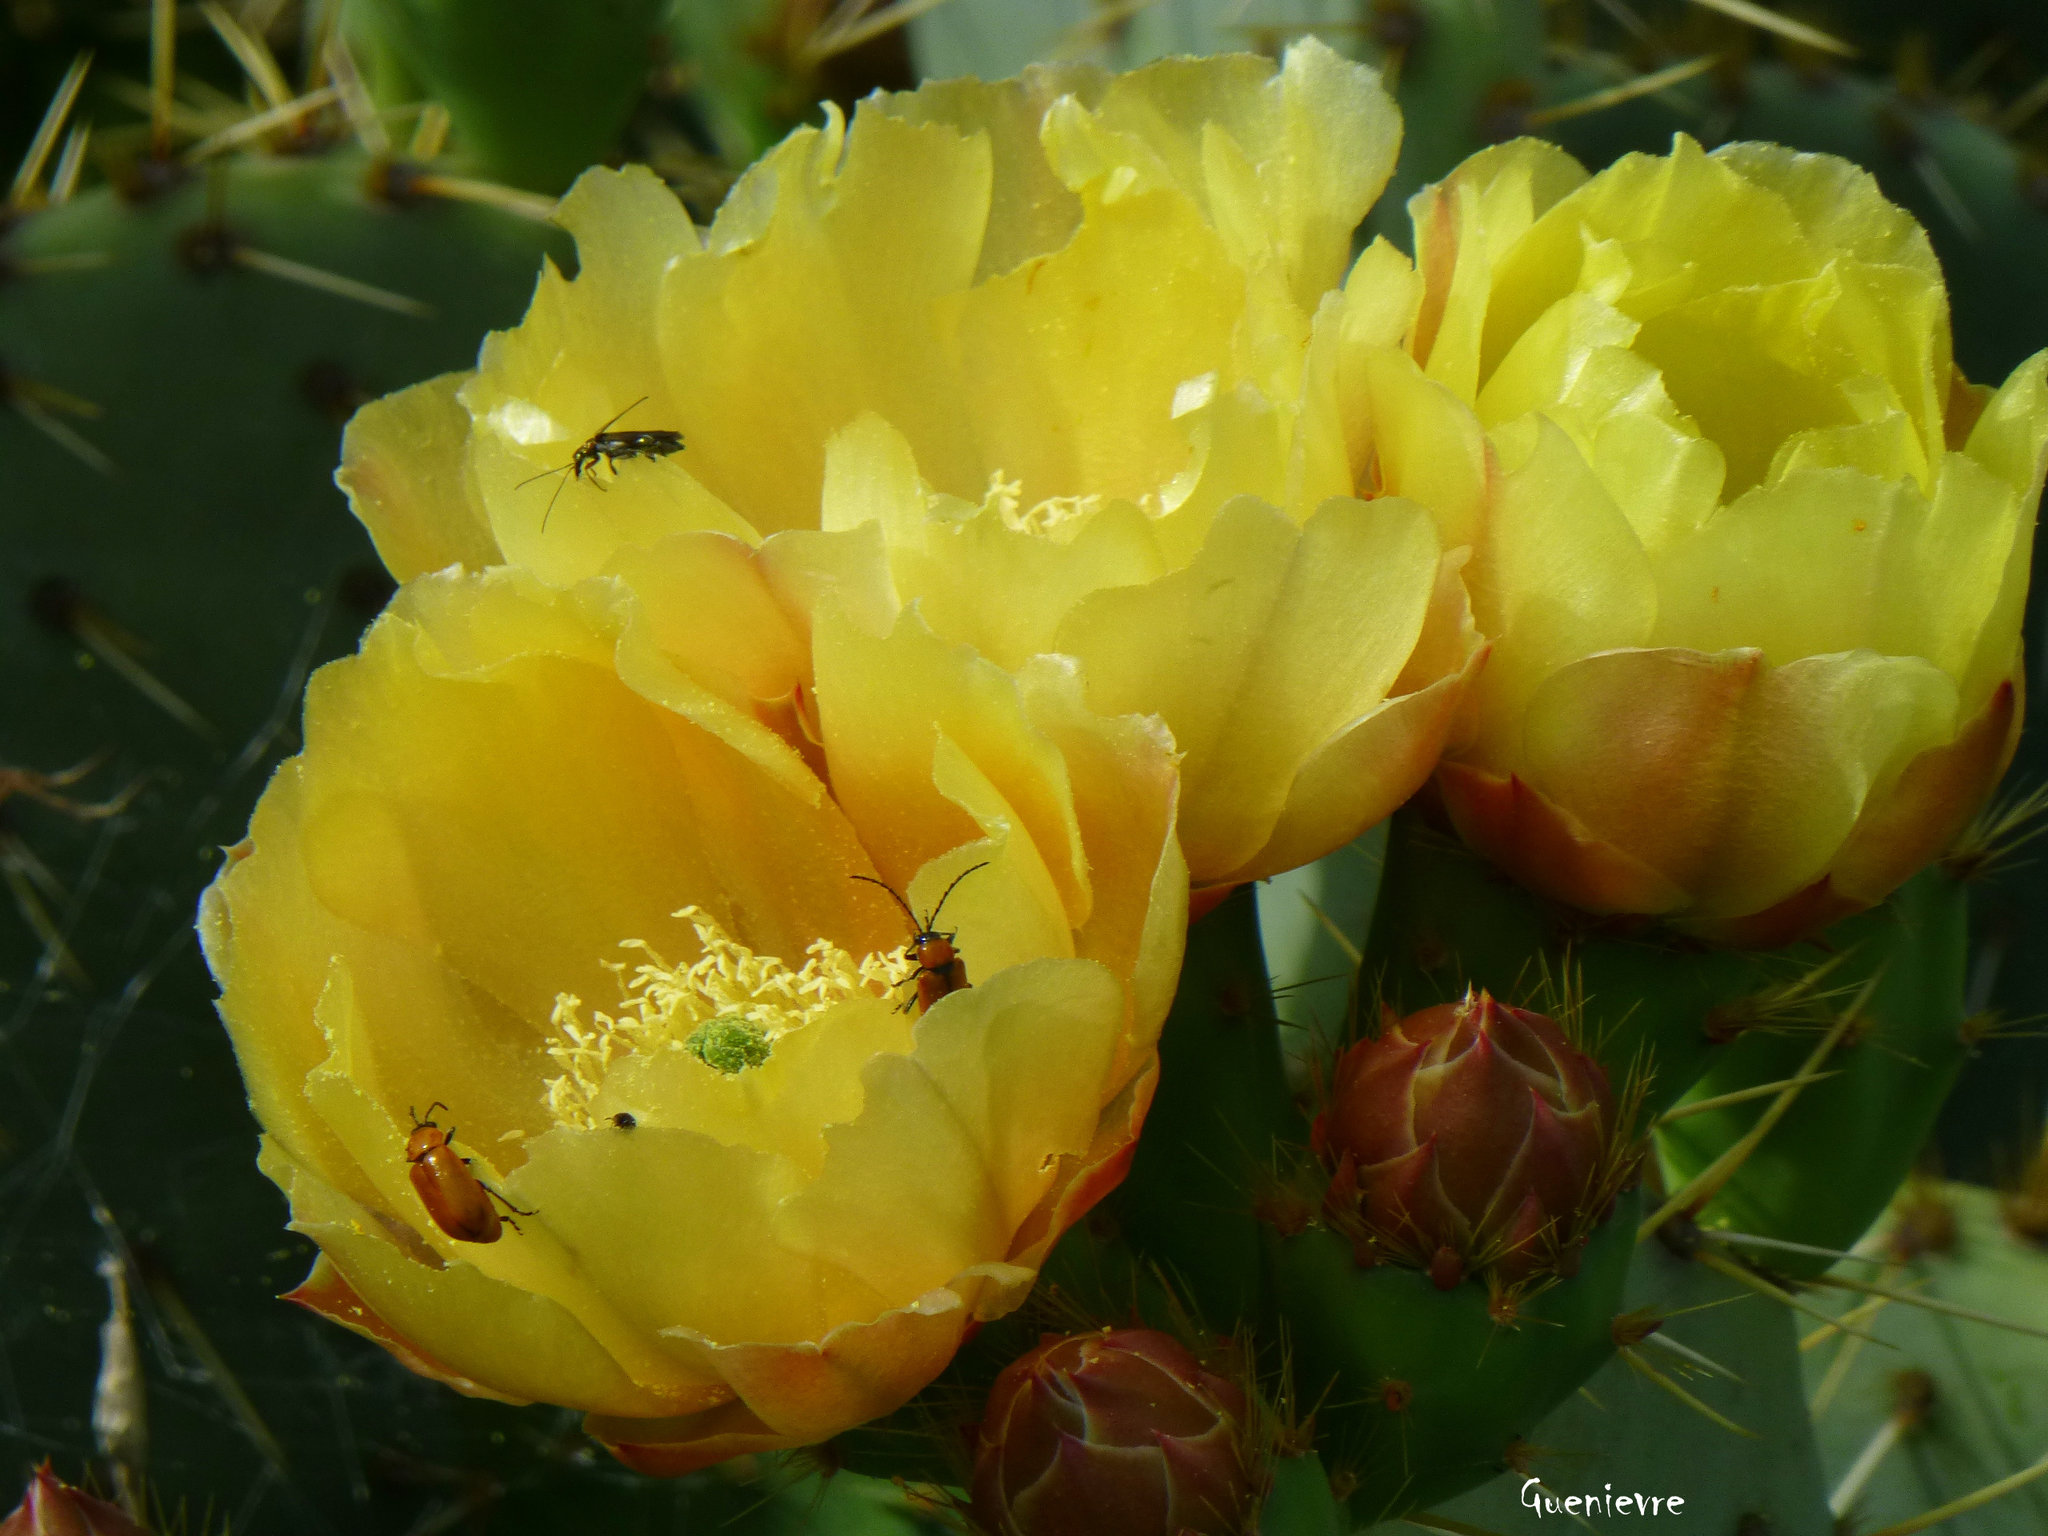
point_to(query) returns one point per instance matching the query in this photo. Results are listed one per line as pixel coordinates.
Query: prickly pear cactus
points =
(1922, 1408)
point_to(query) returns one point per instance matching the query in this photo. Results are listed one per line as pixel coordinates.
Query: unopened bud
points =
(1474, 1136)
(52, 1508)
(1111, 1434)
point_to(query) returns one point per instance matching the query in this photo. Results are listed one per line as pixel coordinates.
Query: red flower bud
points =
(51, 1508)
(1117, 1433)
(1473, 1134)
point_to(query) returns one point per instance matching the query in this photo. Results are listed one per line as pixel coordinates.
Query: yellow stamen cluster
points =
(662, 1005)
(1057, 517)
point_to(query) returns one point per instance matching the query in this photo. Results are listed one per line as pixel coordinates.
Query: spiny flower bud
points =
(1118, 1433)
(50, 1507)
(1470, 1135)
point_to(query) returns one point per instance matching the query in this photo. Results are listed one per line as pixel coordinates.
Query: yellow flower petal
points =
(1350, 587)
(506, 875)
(1737, 780)
(404, 468)
(1752, 599)
(466, 1314)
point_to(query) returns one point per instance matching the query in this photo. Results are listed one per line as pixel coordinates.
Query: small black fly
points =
(611, 447)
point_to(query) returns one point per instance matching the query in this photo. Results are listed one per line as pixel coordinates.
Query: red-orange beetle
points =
(457, 1199)
(939, 968)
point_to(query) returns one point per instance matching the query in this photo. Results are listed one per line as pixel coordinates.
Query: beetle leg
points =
(494, 1194)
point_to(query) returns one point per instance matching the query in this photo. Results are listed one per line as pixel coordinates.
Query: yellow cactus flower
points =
(1751, 553)
(584, 1056)
(1070, 341)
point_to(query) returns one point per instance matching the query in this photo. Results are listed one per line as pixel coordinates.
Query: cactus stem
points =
(1838, 1369)
(1742, 1275)
(290, 271)
(42, 788)
(70, 161)
(163, 74)
(1338, 936)
(1104, 24)
(1856, 1316)
(43, 266)
(1685, 1351)
(361, 111)
(2000, 830)
(2023, 108)
(471, 189)
(1650, 1373)
(23, 193)
(172, 1308)
(1704, 1185)
(34, 400)
(1628, 90)
(23, 873)
(1930, 1303)
(1968, 1501)
(1766, 20)
(856, 22)
(120, 1402)
(1944, 193)
(254, 126)
(59, 606)
(1750, 1240)
(429, 134)
(1915, 1398)
(1740, 1096)
(251, 52)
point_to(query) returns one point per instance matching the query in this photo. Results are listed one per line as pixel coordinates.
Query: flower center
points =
(727, 1008)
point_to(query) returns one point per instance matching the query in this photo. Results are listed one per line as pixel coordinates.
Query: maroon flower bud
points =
(1468, 1136)
(1117, 1433)
(51, 1508)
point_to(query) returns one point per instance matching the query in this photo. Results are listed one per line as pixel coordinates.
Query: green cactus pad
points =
(1830, 1165)
(1638, 996)
(1423, 1391)
(1983, 1408)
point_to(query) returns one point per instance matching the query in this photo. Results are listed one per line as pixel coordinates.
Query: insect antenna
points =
(600, 432)
(885, 885)
(933, 916)
(552, 500)
(559, 469)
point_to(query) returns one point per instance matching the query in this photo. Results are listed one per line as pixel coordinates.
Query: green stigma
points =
(728, 1045)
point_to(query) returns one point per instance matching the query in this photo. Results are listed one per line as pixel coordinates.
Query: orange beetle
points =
(939, 968)
(457, 1199)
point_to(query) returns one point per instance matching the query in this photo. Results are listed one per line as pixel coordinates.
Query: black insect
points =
(940, 970)
(611, 447)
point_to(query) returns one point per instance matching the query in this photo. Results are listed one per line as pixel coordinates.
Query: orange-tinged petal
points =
(1546, 847)
(1463, 227)
(1753, 562)
(1930, 803)
(794, 1395)
(404, 466)
(1736, 780)
(1366, 773)
(1412, 437)
(1559, 573)
(367, 1283)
